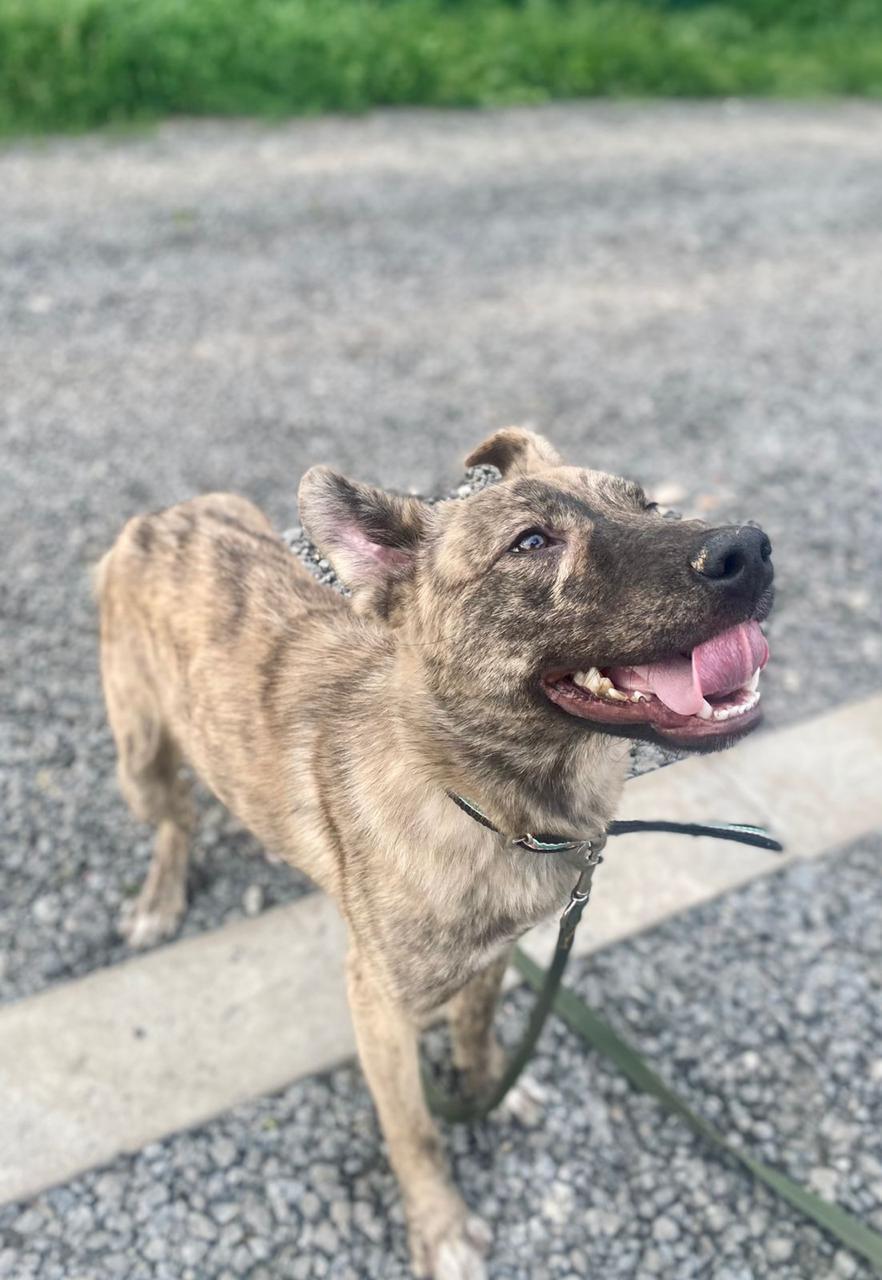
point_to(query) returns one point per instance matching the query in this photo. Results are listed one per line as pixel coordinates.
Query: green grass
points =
(74, 64)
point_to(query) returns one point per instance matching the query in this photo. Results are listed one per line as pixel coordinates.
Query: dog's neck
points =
(515, 759)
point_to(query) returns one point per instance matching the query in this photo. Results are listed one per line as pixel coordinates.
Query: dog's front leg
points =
(446, 1241)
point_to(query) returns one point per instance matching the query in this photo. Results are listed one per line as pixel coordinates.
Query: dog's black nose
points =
(737, 557)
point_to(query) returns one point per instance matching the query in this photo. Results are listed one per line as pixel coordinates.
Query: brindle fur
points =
(333, 728)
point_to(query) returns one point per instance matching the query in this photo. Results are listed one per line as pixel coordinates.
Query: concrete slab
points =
(112, 1061)
(129, 1054)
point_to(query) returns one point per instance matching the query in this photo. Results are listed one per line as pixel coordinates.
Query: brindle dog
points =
(501, 647)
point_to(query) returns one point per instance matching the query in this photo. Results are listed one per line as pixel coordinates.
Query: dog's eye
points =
(650, 506)
(532, 540)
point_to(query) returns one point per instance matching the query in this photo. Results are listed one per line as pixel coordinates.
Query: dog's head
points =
(562, 590)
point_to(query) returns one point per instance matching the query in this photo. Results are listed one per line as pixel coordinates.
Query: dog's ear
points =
(515, 451)
(370, 537)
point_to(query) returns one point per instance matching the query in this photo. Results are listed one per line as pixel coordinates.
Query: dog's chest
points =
(429, 960)
(437, 940)
(433, 894)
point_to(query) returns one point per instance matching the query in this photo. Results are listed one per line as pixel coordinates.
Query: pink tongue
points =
(719, 665)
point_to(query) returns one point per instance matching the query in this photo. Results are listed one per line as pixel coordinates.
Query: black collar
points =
(540, 843)
(740, 832)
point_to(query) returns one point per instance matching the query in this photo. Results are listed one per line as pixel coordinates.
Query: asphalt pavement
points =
(687, 294)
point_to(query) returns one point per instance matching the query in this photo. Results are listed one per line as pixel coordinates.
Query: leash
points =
(460, 1110)
(741, 832)
(597, 1034)
(463, 1109)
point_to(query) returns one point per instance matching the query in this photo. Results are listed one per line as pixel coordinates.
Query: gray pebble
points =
(779, 1248)
(224, 1210)
(223, 1152)
(665, 1229)
(201, 1227)
(825, 1182)
(252, 900)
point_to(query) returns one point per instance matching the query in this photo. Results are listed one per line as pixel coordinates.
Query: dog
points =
(495, 654)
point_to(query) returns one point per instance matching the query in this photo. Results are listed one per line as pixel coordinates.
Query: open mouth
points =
(711, 692)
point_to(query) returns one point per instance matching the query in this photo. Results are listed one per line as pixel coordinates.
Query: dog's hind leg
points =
(148, 770)
(163, 798)
(476, 1050)
(446, 1240)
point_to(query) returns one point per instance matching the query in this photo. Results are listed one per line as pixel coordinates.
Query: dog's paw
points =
(144, 927)
(461, 1256)
(525, 1101)
(456, 1253)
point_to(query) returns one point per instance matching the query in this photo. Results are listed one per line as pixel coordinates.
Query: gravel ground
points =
(765, 1007)
(688, 294)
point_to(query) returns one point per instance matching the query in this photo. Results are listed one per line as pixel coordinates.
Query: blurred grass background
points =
(74, 64)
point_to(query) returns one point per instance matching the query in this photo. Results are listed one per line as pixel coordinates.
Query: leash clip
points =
(581, 894)
(594, 850)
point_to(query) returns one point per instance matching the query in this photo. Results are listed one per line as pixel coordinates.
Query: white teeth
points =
(615, 694)
(600, 686)
(728, 713)
(603, 687)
